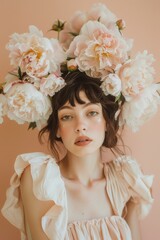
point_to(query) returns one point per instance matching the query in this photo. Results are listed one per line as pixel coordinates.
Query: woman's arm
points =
(33, 208)
(133, 221)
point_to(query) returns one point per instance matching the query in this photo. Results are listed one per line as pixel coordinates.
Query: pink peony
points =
(35, 54)
(10, 80)
(77, 21)
(98, 49)
(136, 74)
(51, 84)
(72, 28)
(27, 104)
(136, 112)
(111, 85)
(99, 12)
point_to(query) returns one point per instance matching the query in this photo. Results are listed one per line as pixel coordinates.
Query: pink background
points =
(143, 24)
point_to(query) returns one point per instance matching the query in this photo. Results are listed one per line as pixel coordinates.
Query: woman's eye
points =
(66, 117)
(93, 113)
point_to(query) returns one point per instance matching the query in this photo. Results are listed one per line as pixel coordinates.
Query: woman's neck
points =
(84, 170)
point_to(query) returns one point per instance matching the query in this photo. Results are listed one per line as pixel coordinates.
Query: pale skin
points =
(81, 170)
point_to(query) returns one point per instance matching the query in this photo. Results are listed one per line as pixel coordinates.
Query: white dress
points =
(124, 181)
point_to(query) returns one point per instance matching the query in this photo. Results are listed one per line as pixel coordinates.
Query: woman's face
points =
(81, 127)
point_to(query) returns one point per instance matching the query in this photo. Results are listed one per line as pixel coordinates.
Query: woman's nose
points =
(80, 129)
(80, 125)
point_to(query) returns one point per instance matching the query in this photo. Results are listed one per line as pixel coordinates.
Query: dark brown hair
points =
(75, 82)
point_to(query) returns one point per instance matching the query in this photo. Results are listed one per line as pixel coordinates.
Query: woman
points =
(85, 99)
(80, 197)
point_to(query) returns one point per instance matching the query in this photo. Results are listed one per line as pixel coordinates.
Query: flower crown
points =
(91, 42)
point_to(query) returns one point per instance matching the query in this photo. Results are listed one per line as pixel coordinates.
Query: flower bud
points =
(57, 26)
(121, 24)
(72, 65)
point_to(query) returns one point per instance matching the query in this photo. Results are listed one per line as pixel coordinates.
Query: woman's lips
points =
(82, 141)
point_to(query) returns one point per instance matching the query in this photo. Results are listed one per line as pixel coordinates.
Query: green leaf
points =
(118, 97)
(1, 90)
(64, 67)
(32, 125)
(73, 34)
(1, 87)
(19, 73)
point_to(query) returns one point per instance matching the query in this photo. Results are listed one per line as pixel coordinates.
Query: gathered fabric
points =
(113, 228)
(124, 181)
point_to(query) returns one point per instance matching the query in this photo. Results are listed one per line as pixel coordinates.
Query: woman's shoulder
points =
(127, 181)
(34, 157)
(33, 160)
(121, 164)
(42, 169)
(37, 176)
(128, 171)
(122, 159)
(125, 163)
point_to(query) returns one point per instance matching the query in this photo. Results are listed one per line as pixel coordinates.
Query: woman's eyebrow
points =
(84, 105)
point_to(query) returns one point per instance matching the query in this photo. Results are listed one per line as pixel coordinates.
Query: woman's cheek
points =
(99, 124)
(64, 129)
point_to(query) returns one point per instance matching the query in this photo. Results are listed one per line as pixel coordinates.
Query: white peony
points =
(72, 28)
(10, 80)
(51, 84)
(27, 104)
(136, 112)
(97, 49)
(136, 74)
(35, 54)
(111, 85)
(3, 107)
(100, 12)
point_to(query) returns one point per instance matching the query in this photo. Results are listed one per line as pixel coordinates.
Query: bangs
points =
(71, 92)
(90, 92)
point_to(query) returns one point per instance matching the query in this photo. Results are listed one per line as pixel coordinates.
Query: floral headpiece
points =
(91, 42)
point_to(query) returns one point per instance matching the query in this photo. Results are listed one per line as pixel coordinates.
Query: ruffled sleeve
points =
(47, 185)
(125, 181)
